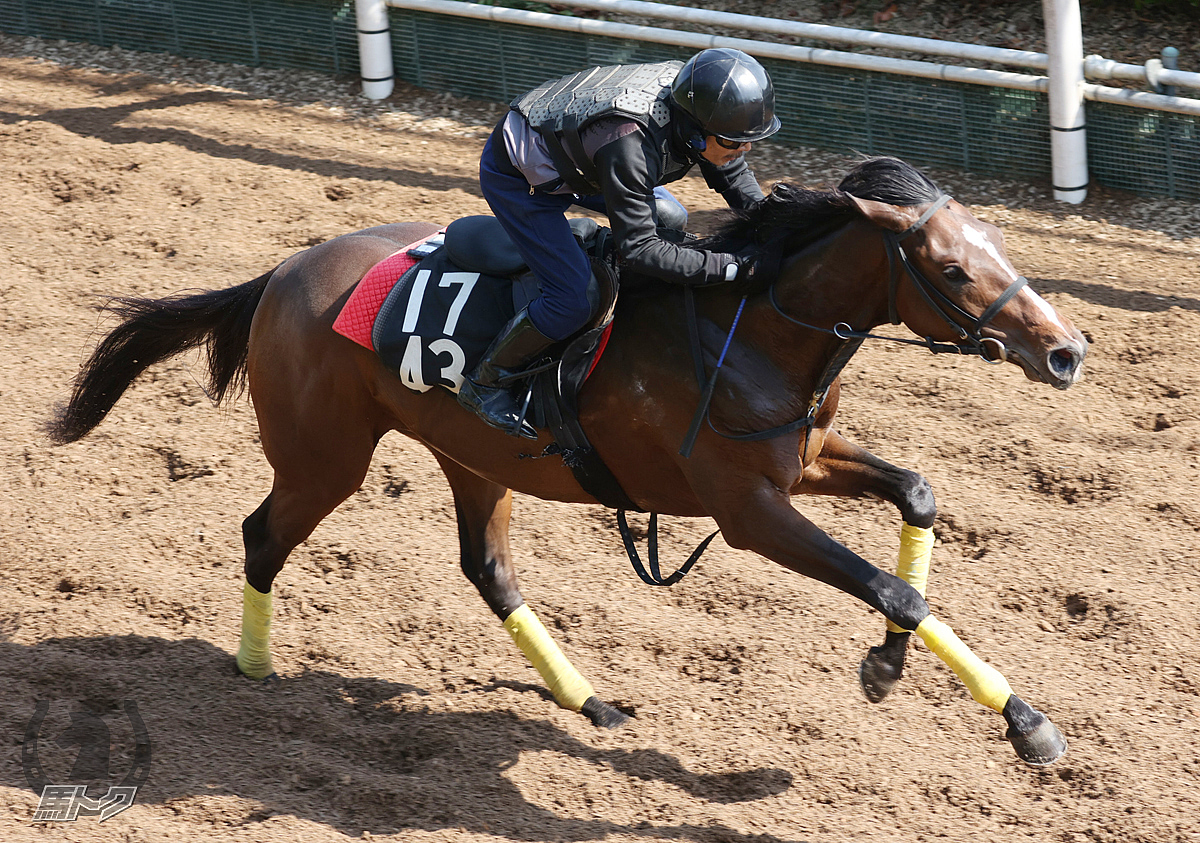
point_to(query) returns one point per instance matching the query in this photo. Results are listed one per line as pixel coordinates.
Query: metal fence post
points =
(374, 48)
(1068, 133)
(1170, 61)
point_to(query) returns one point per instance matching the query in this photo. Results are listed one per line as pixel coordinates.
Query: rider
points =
(607, 139)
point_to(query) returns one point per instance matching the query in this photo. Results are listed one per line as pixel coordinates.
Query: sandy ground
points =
(1066, 554)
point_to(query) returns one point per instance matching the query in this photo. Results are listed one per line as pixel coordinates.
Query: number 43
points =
(411, 374)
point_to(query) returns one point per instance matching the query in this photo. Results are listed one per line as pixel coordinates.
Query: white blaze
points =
(1045, 307)
(978, 238)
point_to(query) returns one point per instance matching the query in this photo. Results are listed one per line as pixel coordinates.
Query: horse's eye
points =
(955, 274)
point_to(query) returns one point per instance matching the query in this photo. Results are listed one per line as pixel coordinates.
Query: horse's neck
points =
(841, 278)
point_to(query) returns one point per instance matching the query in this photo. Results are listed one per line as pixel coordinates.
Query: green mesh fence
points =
(311, 34)
(991, 131)
(996, 131)
(1150, 153)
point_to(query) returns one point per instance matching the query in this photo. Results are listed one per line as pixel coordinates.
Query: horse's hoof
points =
(877, 676)
(1036, 740)
(1042, 745)
(603, 714)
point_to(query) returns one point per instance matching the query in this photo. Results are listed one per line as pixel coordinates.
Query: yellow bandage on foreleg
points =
(916, 548)
(985, 683)
(254, 653)
(569, 688)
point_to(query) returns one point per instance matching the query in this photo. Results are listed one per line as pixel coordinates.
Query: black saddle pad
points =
(438, 320)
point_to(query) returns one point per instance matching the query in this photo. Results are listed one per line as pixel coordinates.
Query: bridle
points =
(968, 327)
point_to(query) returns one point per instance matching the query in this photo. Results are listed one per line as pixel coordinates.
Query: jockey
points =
(607, 139)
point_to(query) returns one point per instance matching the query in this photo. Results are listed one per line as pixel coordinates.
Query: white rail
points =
(701, 41)
(1152, 72)
(816, 32)
(374, 49)
(1068, 132)
(1065, 67)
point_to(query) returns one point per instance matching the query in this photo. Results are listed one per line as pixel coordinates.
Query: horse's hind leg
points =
(483, 509)
(315, 470)
(843, 469)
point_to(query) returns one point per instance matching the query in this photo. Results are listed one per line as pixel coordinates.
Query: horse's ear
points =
(892, 217)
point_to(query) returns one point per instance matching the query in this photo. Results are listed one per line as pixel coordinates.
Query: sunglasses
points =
(726, 143)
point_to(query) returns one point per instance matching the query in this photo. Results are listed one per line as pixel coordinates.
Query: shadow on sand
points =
(356, 754)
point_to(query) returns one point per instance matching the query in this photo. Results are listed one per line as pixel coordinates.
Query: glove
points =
(745, 270)
(748, 269)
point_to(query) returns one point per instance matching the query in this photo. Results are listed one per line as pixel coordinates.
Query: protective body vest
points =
(561, 108)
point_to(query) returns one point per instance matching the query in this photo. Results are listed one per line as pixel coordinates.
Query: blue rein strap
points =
(898, 263)
(689, 441)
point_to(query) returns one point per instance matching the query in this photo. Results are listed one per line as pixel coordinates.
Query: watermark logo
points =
(67, 798)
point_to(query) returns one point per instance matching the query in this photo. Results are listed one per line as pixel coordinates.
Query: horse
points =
(886, 245)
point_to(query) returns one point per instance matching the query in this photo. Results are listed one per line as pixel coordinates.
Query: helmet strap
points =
(689, 133)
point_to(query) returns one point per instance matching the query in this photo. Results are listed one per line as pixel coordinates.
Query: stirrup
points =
(480, 398)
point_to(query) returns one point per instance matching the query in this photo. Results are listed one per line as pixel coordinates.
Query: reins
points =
(972, 342)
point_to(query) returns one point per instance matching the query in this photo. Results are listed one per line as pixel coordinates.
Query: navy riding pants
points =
(537, 224)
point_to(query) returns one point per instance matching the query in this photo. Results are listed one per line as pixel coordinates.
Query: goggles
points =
(726, 143)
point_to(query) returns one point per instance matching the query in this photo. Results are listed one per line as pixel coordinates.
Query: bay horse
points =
(886, 245)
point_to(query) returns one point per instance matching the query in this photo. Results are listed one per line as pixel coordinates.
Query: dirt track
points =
(1067, 551)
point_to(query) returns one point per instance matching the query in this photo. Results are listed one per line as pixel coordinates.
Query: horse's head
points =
(952, 281)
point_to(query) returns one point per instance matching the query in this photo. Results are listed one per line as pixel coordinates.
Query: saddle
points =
(431, 310)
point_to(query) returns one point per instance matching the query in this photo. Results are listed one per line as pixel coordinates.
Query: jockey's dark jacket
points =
(629, 167)
(616, 131)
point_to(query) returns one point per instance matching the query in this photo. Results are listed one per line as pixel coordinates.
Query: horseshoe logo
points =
(35, 773)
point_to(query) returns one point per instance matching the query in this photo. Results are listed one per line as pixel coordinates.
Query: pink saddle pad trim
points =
(357, 317)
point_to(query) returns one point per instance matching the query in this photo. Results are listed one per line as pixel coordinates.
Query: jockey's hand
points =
(749, 269)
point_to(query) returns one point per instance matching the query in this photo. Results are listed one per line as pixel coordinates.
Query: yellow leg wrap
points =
(916, 547)
(254, 653)
(985, 683)
(569, 688)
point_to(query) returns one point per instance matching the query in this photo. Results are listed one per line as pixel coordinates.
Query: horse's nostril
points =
(1063, 361)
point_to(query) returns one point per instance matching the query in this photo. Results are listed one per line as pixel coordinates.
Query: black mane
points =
(791, 217)
(890, 180)
(802, 216)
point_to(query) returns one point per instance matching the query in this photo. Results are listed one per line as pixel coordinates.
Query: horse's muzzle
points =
(1064, 363)
(1061, 366)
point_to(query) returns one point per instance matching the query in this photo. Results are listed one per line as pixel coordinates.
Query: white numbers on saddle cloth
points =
(411, 374)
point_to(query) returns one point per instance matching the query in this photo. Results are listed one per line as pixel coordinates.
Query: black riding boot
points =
(518, 343)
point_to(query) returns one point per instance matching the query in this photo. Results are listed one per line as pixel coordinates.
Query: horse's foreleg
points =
(483, 509)
(761, 518)
(843, 469)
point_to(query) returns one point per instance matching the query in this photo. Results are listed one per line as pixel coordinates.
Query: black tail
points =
(151, 331)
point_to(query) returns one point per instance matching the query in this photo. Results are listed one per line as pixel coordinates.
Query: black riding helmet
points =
(728, 94)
